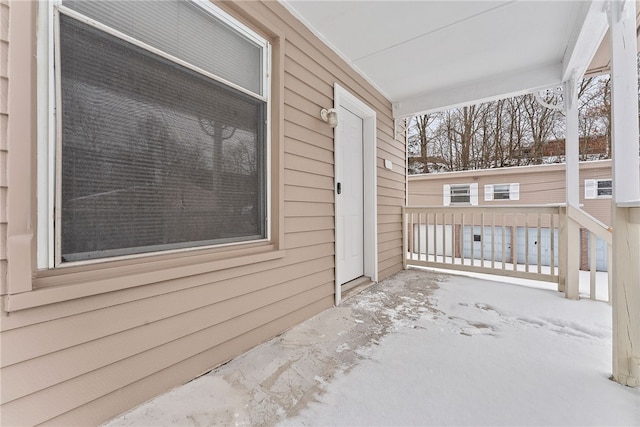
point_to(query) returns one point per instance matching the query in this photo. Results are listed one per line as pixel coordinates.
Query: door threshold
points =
(355, 286)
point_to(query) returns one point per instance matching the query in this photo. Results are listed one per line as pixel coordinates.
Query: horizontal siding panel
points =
(391, 192)
(309, 180)
(64, 397)
(3, 202)
(295, 69)
(295, 209)
(103, 408)
(43, 338)
(390, 253)
(3, 241)
(294, 193)
(296, 100)
(311, 123)
(389, 210)
(392, 152)
(389, 271)
(293, 162)
(308, 238)
(309, 151)
(390, 175)
(294, 131)
(54, 368)
(391, 201)
(389, 146)
(385, 228)
(390, 244)
(3, 281)
(391, 235)
(389, 219)
(296, 89)
(84, 305)
(394, 262)
(296, 225)
(387, 183)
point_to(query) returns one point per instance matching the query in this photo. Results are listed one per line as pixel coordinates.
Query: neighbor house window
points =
(162, 124)
(460, 194)
(502, 192)
(597, 188)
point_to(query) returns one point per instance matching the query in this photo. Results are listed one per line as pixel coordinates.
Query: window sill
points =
(54, 286)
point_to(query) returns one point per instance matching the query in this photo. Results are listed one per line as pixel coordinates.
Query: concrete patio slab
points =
(420, 348)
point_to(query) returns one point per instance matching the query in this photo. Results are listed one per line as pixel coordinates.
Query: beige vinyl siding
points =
(4, 120)
(83, 361)
(541, 184)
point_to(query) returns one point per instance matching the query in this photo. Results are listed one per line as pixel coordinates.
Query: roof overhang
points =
(432, 55)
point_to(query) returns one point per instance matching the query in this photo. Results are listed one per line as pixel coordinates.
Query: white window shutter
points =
(474, 194)
(590, 189)
(488, 193)
(514, 191)
(446, 195)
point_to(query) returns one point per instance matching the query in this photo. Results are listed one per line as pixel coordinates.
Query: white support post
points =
(626, 193)
(572, 243)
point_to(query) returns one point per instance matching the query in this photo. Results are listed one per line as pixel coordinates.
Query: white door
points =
(350, 197)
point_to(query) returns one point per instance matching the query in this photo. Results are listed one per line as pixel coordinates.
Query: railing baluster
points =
(482, 239)
(405, 230)
(493, 240)
(504, 243)
(426, 238)
(539, 243)
(526, 243)
(592, 270)
(552, 243)
(444, 239)
(473, 239)
(453, 237)
(514, 239)
(462, 238)
(435, 237)
(410, 232)
(609, 273)
(419, 236)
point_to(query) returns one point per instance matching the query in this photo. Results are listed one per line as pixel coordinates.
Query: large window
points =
(162, 124)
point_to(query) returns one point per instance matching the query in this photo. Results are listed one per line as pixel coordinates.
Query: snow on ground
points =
(421, 348)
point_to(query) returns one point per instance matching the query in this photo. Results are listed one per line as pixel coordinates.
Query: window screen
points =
(460, 194)
(501, 192)
(604, 187)
(154, 155)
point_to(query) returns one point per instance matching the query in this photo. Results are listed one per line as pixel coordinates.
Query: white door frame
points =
(341, 97)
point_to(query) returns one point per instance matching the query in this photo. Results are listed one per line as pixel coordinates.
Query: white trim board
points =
(343, 98)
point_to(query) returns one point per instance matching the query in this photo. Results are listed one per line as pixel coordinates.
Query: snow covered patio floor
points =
(420, 348)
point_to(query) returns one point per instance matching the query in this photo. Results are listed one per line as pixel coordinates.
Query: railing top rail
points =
(591, 223)
(548, 208)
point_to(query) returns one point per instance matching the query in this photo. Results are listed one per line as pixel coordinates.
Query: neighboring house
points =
(183, 145)
(523, 185)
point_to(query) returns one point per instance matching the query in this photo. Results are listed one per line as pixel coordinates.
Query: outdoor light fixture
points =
(330, 116)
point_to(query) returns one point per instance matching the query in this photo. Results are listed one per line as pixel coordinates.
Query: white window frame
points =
(591, 188)
(513, 191)
(473, 194)
(49, 147)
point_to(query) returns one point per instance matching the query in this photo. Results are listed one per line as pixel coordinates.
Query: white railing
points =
(514, 241)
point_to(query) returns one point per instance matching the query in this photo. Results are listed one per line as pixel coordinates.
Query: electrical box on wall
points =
(388, 164)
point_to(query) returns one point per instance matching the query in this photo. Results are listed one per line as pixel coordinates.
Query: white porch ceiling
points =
(431, 55)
